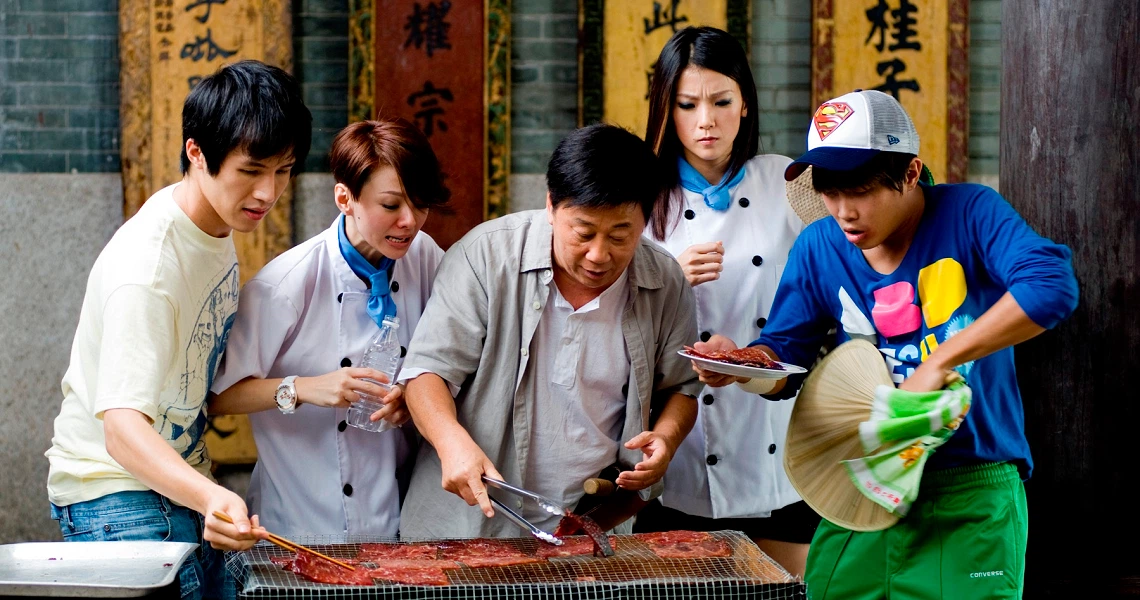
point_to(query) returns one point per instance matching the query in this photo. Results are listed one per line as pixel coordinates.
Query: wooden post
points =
(1070, 157)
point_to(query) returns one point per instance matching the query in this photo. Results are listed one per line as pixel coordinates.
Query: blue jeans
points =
(148, 516)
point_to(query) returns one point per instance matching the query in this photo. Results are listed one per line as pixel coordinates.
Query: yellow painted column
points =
(166, 46)
(634, 33)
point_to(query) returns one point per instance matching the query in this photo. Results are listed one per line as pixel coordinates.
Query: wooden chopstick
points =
(289, 545)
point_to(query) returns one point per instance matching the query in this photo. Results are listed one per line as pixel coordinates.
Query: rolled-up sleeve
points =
(135, 350)
(265, 319)
(450, 335)
(1037, 271)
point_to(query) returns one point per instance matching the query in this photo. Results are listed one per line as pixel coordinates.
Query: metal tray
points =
(90, 569)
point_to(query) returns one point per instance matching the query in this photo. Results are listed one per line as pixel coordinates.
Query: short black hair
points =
(711, 49)
(887, 169)
(365, 147)
(604, 166)
(248, 106)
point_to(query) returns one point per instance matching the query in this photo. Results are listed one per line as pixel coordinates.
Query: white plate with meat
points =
(742, 362)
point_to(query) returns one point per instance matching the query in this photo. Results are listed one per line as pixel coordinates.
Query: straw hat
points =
(804, 200)
(824, 430)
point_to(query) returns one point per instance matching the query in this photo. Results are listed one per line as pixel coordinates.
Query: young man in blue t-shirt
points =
(939, 278)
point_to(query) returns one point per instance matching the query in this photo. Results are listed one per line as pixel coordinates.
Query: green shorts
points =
(963, 538)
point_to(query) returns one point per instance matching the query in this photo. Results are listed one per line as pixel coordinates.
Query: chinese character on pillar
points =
(427, 27)
(902, 34)
(426, 101)
(208, 4)
(664, 17)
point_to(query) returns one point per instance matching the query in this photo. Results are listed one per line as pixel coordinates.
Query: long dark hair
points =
(707, 48)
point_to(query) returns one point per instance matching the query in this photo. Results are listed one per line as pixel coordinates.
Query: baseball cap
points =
(845, 134)
(848, 131)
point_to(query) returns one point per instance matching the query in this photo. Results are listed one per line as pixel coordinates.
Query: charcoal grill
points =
(634, 573)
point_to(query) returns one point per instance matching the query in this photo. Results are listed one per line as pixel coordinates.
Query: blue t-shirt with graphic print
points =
(970, 248)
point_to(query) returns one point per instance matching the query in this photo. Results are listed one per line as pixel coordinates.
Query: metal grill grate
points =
(635, 573)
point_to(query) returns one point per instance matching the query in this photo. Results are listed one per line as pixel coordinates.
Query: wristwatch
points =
(286, 396)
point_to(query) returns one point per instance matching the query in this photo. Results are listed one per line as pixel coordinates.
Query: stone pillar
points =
(1070, 158)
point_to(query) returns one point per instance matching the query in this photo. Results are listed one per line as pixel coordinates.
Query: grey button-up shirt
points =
(476, 332)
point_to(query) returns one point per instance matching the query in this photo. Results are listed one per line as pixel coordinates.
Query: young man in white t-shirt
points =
(127, 460)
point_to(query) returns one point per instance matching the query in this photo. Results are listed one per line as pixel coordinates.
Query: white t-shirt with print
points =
(159, 304)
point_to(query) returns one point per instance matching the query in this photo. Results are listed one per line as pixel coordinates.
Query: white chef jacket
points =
(305, 314)
(732, 463)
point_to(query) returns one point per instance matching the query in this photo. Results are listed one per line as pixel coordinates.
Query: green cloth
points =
(902, 432)
(965, 538)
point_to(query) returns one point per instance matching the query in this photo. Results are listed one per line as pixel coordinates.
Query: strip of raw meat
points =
(573, 523)
(567, 527)
(323, 571)
(284, 561)
(709, 548)
(672, 537)
(484, 553)
(577, 545)
(414, 563)
(750, 356)
(461, 549)
(498, 561)
(409, 572)
(684, 544)
(411, 575)
(399, 551)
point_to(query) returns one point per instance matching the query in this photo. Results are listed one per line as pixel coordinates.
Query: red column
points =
(429, 61)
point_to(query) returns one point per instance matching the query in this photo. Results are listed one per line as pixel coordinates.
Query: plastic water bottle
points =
(383, 354)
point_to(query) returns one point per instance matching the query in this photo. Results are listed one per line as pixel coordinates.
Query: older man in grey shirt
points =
(548, 337)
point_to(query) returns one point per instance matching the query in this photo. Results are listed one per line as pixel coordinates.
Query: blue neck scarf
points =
(718, 196)
(380, 303)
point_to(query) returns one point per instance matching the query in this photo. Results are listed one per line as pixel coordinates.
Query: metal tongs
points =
(543, 502)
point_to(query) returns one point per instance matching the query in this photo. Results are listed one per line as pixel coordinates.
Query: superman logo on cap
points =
(829, 116)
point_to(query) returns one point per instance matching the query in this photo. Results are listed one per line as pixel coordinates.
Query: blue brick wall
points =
(781, 64)
(320, 58)
(985, 87)
(59, 86)
(544, 79)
